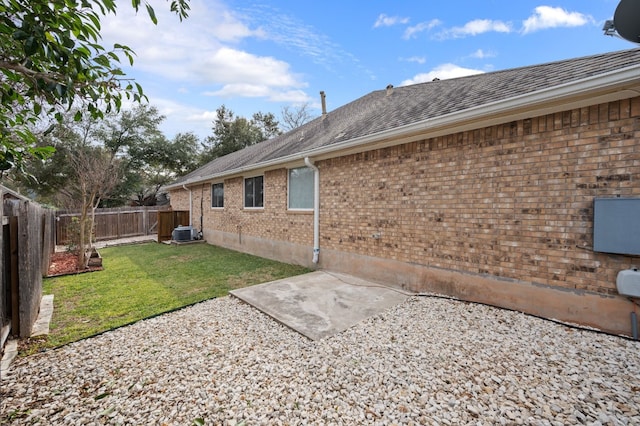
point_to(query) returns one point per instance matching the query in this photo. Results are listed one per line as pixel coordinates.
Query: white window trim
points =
(288, 193)
(244, 178)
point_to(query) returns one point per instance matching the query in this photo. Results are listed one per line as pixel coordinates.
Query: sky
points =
(260, 56)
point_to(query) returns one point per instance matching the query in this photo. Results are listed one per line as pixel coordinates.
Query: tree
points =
(51, 60)
(97, 175)
(45, 179)
(267, 123)
(146, 159)
(164, 160)
(292, 118)
(231, 133)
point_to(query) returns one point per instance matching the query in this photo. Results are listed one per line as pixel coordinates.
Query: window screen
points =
(301, 188)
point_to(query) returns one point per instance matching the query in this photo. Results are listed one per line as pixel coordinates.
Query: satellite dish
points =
(627, 20)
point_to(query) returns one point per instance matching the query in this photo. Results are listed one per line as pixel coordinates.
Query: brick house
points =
(481, 188)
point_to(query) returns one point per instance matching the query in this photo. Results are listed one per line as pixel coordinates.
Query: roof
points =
(384, 115)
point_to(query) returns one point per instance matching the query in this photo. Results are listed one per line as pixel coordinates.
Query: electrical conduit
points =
(316, 209)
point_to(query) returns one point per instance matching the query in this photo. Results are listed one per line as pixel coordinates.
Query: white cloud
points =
(482, 54)
(442, 72)
(201, 51)
(476, 27)
(228, 65)
(295, 35)
(553, 17)
(177, 114)
(246, 90)
(291, 96)
(202, 116)
(389, 21)
(411, 32)
(416, 59)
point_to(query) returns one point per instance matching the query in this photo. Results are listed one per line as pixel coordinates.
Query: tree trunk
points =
(82, 253)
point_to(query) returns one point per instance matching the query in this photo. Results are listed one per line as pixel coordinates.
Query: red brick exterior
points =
(511, 201)
(514, 200)
(274, 222)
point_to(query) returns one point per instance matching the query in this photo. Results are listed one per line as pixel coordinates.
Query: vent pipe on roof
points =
(389, 89)
(323, 99)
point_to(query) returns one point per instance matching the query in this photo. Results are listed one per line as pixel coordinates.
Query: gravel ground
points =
(427, 361)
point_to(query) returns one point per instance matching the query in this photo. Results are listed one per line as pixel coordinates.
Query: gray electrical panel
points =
(616, 225)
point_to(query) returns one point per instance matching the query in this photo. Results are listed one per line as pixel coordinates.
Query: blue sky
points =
(263, 55)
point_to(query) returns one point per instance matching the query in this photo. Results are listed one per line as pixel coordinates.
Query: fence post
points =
(145, 220)
(15, 285)
(48, 242)
(5, 293)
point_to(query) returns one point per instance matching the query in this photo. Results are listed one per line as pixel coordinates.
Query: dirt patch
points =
(66, 263)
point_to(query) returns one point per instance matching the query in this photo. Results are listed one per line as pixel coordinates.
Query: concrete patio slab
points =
(320, 304)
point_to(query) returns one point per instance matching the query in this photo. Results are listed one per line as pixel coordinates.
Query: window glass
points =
(254, 192)
(217, 195)
(301, 188)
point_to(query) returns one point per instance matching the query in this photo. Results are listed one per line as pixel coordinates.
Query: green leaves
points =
(52, 60)
(20, 35)
(152, 14)
(231, 133)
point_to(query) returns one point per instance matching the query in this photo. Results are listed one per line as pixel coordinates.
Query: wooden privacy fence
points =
(169, 220)
(112, 223)
(27, 242)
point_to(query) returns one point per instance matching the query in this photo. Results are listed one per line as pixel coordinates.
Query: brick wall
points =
(512, 201)
(179, 199)
(273, 222)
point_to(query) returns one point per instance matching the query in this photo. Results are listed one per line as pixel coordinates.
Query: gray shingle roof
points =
(378, 112)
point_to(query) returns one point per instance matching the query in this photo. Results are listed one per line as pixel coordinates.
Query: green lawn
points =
(140, 281)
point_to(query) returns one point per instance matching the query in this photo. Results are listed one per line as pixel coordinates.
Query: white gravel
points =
(427, 361)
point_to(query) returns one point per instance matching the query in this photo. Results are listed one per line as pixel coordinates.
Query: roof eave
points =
(615, 85)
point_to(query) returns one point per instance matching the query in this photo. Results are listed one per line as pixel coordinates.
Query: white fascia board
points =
(615, 85)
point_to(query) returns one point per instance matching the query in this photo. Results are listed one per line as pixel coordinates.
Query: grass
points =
(140, 281)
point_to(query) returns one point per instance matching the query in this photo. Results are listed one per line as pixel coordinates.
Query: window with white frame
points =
(301, 188)
(217, 195)
(254, 192)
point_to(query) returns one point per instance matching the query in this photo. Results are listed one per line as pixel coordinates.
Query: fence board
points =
(26, 243)
(112, 223)
(168, 221)
(12, 274)
(48, 238)
(5, 289)
(29, 255)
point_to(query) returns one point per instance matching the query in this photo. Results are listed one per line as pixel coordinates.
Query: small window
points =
(217, 195)
(254, 192)
(301, 188)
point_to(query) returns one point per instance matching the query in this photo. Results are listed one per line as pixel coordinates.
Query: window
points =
(301, 188)
(217, 195)
(254, 192)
